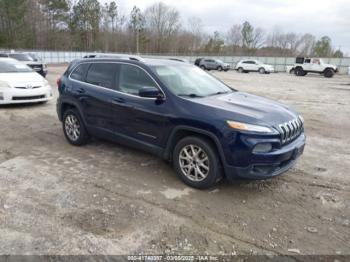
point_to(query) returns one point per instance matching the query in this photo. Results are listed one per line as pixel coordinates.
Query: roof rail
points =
(120, 56)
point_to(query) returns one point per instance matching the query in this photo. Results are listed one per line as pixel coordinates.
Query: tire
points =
(299, 72)
(292, 71)
(203, 67)
(262, 70)
(73, 128)
(240, 70)
(328, 73)
(219, 68)
(199, 176)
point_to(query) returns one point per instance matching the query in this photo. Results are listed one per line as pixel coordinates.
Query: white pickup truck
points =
(304, 65)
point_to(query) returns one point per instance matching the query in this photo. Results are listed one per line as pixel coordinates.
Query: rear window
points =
(102, 74)
(79, 72)
(21, 57)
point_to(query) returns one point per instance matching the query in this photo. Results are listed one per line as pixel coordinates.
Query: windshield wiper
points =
(219, 93)
(190, 95)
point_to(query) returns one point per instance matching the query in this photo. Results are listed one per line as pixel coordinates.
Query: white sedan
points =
(20, 84)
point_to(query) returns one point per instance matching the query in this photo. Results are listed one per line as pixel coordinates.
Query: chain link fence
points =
(279, 63)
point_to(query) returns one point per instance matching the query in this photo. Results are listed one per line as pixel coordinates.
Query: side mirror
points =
(150, 92)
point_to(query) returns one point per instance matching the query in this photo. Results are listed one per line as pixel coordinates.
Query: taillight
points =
(58, 82)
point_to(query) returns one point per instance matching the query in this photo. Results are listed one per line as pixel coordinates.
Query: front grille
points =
(290, 130)
(36, 67)
(27, 97)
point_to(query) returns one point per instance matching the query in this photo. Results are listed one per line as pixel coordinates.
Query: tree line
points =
(88, 25)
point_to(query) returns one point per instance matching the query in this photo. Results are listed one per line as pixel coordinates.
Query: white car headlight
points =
(250, 127)
(4, 85)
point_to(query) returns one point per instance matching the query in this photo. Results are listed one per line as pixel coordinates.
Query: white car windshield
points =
(12, 67)
(190, 81)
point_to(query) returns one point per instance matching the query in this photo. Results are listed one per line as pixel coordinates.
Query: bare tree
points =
(234, 37)
(163, 22)
(195, 33)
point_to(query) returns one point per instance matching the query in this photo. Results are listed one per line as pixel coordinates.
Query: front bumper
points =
(21, 96)
(271, 164)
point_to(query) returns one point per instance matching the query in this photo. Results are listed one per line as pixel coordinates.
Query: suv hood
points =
(329, 65)
(250, 108)
(266, 65)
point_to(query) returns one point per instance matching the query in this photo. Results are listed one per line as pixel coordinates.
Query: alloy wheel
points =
(72, 127)
(194, 162)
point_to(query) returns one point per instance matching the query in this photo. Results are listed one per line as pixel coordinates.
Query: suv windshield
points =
(190, 81)
(9, 67)
(21, 57)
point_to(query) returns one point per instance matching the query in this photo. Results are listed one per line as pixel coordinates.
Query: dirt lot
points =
(107, 199)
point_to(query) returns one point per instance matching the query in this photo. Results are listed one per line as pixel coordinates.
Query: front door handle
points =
(118, 100)
(121, 102)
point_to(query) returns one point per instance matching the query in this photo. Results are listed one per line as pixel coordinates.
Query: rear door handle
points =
(81, 90)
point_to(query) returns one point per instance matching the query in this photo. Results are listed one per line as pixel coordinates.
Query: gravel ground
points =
(107, 199)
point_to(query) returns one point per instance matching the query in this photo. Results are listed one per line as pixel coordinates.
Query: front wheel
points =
(203, 67)
(74, 128)
(262, 70)
(196, 162)
(220, 68)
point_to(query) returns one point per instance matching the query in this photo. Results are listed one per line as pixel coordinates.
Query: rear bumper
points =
(270, 164)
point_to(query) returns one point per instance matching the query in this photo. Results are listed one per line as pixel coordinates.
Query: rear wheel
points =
(74, 128)
(328, 73)
(240, 70)
(196, 162)
(203, 67)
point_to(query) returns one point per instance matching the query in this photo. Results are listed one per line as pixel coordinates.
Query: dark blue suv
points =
(182, 114)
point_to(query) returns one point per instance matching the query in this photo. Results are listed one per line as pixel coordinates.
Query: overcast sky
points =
(318, 17)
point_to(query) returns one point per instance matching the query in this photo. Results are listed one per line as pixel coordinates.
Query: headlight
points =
(4, 85)
(47, 84)
(249, 127)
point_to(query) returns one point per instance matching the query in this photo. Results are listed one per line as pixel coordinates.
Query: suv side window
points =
(307, 61)
(132, 79)
(80, 72)
(102, 74)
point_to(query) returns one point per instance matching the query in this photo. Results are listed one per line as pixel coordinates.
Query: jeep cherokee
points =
(182, 114)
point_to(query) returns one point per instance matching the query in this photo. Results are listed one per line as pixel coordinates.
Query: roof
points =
(147, 61)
